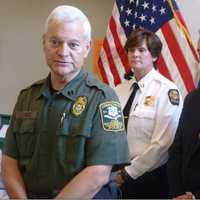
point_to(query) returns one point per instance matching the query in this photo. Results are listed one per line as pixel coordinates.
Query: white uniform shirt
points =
(152, 122)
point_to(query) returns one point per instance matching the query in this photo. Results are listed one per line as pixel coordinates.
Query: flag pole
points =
(182, 27)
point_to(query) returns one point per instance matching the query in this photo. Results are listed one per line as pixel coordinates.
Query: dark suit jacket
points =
(184, 154)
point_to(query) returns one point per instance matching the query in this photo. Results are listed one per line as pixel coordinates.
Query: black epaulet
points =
(129, 75)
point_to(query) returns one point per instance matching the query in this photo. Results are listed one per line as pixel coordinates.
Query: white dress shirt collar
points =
(145, 80)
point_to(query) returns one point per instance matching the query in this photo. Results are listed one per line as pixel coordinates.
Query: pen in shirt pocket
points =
(62, 119)
(135, 106)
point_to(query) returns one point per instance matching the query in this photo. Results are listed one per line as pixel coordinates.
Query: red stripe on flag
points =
(185, 26)
(121, 52)
(112, 66)
(102, 71)
(163, 69)
(178, 57)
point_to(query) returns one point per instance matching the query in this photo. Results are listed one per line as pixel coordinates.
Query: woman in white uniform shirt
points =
(152, 121)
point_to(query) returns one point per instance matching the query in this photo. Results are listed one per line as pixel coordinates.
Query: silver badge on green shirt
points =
(111, 116)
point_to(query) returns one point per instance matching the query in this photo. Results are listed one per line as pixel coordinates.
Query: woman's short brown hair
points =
(136, 38)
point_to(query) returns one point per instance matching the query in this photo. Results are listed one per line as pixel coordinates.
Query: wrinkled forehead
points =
(67, 28)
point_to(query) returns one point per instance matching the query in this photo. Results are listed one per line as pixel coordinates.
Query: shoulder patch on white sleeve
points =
(174, 96)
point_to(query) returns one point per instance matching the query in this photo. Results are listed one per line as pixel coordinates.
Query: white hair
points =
(66, 13)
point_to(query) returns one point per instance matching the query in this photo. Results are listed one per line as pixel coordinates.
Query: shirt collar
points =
(68, 91)
(142, 83)
(44, 91)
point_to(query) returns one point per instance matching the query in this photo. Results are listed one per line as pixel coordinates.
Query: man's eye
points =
(54, 42)
(73, 45)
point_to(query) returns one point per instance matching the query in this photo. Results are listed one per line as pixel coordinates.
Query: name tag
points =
(25, 115)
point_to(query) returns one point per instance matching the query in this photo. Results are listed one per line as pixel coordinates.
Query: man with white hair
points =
(67, 131)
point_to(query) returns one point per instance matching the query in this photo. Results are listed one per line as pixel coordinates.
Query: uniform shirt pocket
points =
(72, 138)
(26, 138)
(144, 119)
(73, 128)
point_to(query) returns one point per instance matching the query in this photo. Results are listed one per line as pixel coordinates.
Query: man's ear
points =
(87, 48)
(43, 39)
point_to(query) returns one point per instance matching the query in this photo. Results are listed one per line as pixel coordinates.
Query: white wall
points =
(190, 11)
(21, 27)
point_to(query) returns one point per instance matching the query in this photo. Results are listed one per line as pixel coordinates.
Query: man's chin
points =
(64, 71)
(67, 74)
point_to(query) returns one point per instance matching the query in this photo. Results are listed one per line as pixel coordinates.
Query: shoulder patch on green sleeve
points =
(174, 96)
(111, 116)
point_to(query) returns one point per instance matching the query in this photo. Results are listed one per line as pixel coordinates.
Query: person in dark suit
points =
(184, 154)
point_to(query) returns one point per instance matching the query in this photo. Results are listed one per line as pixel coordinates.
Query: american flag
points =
(178, 58)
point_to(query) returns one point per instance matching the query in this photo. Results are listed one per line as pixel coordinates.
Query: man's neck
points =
(58, 83)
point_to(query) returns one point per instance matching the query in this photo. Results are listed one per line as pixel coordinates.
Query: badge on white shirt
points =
(149, 101)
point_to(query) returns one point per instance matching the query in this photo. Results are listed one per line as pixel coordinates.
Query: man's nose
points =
(63, 49)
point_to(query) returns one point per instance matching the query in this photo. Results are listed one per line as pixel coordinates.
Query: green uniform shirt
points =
(55, 136)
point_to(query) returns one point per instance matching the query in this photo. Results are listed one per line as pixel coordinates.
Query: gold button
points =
(141, 85)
